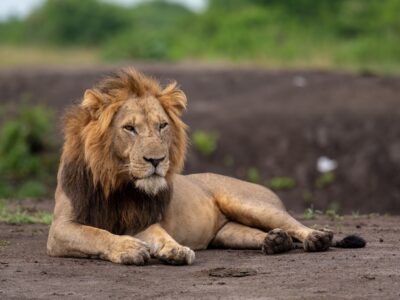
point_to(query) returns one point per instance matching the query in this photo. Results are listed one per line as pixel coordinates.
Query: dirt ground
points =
(279, 122)
(369, 273)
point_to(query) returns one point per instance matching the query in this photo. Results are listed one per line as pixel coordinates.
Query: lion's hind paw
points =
(277, 241)
(318, 240)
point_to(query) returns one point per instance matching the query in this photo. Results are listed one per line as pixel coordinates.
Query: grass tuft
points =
(311, 213)
(18, 216)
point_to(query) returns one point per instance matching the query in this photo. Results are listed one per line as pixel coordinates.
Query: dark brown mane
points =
(125, 210)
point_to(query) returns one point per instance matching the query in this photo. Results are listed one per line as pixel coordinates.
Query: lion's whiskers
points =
(124, 169)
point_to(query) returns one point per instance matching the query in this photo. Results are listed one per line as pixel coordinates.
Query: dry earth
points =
(369, 273)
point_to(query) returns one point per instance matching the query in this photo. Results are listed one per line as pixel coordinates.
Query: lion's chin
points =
(151, 185)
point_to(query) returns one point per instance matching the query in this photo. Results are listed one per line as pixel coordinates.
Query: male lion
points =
(120, 198)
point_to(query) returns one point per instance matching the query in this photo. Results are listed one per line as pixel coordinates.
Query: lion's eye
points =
(163, 125)
(130, 128)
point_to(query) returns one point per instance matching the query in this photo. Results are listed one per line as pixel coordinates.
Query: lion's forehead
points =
(142, 110)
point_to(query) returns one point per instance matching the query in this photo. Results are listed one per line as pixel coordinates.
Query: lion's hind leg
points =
(237, 236)
(260, 212)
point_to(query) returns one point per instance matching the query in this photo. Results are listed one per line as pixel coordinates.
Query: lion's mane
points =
(90, 174)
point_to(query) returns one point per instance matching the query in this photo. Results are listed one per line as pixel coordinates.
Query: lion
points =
(120, 196)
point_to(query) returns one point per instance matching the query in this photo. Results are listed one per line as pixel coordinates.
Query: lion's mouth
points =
(151, 184)
(157, 172)
(153, 175)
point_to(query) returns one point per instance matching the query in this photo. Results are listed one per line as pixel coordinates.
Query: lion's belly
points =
(192, 218)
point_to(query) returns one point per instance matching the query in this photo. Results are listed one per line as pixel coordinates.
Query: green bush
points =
(281, 183)
(145, 44)
(205, 142)
(325, 180)
(27, 157)
(73, 22)
(253, 175)
(151, 34)
(363, 34)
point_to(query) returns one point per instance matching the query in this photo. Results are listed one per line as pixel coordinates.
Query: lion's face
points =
(141, 140)
(128, 128)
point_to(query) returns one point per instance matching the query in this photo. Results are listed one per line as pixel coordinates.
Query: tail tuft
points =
(350, 241)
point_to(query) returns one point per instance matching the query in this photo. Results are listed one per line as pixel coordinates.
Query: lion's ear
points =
(174, 99)
(93, 102)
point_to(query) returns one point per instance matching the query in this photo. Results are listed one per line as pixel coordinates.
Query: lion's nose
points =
(154, 161)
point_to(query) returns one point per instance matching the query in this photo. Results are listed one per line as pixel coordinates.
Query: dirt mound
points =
(279, 123)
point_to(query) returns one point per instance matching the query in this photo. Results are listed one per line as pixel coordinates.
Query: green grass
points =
(19, 216)
(30, 55)
(331, 212)
(311, 213)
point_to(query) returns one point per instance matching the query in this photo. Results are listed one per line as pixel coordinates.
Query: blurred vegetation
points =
(281, 183)
(253, 175)
(205, 142)
(311, 213)
(325, 180)
(362, 34)
(19, 216)
(11, 55)
(28, 159)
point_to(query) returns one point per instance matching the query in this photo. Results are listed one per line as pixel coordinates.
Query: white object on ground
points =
(325, 164)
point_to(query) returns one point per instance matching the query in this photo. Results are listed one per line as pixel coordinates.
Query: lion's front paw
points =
(176, 255)
(128, 251)
(277, 241)
(318, 240)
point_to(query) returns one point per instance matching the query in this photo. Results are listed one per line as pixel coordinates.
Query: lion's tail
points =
(350, 241)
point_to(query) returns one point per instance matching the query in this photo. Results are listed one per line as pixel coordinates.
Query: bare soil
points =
(279, 122)
(26, 272)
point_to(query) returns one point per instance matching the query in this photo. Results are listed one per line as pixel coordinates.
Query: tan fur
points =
(115, 203)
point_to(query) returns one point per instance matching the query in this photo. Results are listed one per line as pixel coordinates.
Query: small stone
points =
(299, 81)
